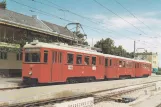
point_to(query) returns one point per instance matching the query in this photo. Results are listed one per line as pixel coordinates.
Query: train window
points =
(110, 62)
(86, 60)
(120, 63)
(130, 64)
(106, 62)
(32, 57)
(35, 57)
(93, 60)
(27, 57)
(45, 56)
(79, 59)
(60, 57)
(127, 64)
(135, 65)
(100, 60)
(70, 58)
(123, 63)
(54, 57)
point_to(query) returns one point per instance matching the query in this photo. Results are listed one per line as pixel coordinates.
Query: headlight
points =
(30, 73)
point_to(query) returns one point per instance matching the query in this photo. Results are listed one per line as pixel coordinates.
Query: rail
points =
(95, 94)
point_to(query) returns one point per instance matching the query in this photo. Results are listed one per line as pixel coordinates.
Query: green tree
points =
(81, 38)
(108, 47)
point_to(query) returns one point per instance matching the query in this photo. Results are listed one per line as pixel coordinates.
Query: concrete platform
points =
(57, 91)
(9, 82)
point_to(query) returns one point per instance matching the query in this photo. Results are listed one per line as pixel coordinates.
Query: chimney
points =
(35, 16)
(3, 4)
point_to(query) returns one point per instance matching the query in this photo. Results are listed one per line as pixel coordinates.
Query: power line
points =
(119, 16)
(66, 10)
(42, 11)
(134, 15)
(144, 42)
(62, 9)
(52, 14)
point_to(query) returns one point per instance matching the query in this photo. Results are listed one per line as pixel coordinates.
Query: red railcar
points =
(50, 63)
(143, 69)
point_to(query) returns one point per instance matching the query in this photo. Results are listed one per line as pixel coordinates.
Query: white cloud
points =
(118, 23)
(128, 44)
(152, 13)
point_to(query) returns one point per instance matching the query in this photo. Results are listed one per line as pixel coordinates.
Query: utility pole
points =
(92, 42)
(134, 48)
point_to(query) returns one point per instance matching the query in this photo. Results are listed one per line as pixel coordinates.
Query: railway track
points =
(12, 88)
(158, 105)
(110, 96)
(27, 86)
(96, 94)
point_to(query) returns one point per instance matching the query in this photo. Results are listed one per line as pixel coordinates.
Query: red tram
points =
(51, 63)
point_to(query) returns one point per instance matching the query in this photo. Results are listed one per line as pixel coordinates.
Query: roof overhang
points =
(9, 45)
(31, 28)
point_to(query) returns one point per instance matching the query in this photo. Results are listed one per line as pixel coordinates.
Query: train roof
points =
(62, 46)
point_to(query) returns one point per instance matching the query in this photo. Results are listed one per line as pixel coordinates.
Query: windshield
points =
(32, 57)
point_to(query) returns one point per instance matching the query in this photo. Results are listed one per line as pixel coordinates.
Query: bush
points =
(158, 73)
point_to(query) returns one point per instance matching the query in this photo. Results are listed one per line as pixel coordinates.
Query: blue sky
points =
(147, 11)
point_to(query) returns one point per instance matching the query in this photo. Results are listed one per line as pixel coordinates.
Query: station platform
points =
(10, 82)
(24, 95)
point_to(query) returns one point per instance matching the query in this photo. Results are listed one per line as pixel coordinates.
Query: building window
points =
(86, 60)
(79, 59)
(45, 56)
(70, 58)
(3, 55)
(93, 60)
(19, 56)
(154, 62)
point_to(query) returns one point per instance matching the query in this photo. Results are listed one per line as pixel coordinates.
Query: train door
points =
(137, 70)
(115, 68)
(111, 68)
(56, 72)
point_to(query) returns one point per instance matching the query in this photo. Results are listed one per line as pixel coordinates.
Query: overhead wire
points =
(65, 10)
(87, 18)
(121, 17)
(49, 14)
(118, 16)
(83, 17)
(134, 16)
